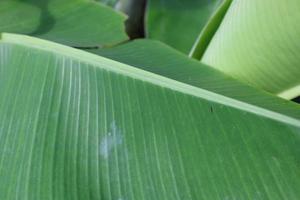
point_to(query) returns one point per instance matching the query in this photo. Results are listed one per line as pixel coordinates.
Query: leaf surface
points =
(178, 22)
(158, 58)
(74, 125)
(258, 43)
(80, 23)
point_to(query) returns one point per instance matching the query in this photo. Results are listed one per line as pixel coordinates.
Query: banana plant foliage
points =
(79, 23)
(140, 120)
(159, 58)
(178, 22)
(256, 42)
(74, 125)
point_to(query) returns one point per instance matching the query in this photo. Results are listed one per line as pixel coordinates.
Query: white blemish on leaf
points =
(111, 140)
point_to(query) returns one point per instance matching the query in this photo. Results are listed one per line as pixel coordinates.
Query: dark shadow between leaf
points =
(297, 99)
(47, 20)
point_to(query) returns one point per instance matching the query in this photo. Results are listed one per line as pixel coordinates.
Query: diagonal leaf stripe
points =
(158, 58)
(78, 126)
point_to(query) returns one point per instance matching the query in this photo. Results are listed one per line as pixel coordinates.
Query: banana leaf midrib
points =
(146, 76)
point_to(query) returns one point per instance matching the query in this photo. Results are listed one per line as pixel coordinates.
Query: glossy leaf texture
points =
(258, 43)
(178, 22)
(74, 125)
(80, 23)
(158, 58)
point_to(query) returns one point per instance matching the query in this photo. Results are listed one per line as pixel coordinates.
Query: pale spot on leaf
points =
(111, 140)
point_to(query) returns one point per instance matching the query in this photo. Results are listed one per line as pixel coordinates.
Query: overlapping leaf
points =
(159, 58)
(80, 23)
(178, 22)
(74, 125)
(258, 43)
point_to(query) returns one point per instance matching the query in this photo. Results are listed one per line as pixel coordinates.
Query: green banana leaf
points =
(258, 43)
(178, 22)
(158, 58)
(80, 23)
(74, 125)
